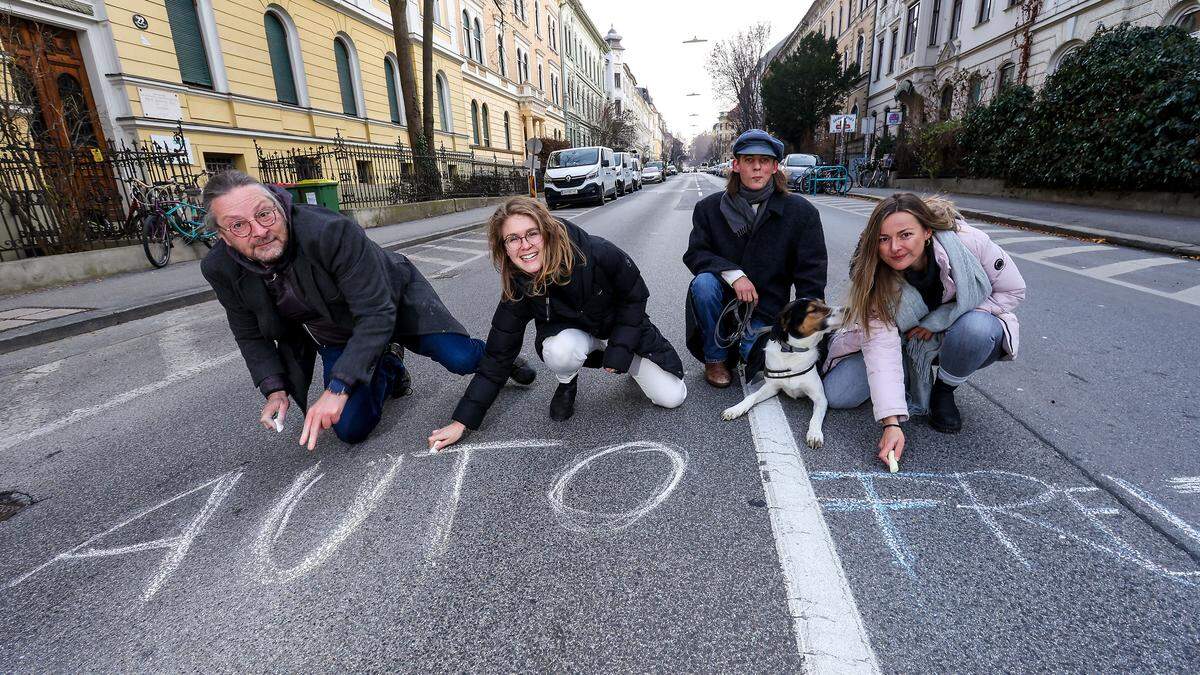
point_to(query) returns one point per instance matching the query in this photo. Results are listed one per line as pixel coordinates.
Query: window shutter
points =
(281, 60)
(189, 43)
(345, 79)
(389, 74)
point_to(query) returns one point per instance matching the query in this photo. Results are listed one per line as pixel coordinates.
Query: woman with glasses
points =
(587, 301)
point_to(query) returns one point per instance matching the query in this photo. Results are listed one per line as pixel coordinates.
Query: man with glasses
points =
(297, 280)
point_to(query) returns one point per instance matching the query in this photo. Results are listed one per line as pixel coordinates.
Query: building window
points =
(1007, 75)
(976, 91)
(216, 162)
(947, 103)
(475, 122)
(985, 11)
(466, 20)
(617, 80)
(487, 126)
(955, 18)
(345, 70)
(281, 59)
(910, 28)
(525, 67)
(500, 52)
(933, 22)
(364, 171)
(879, 59)
(507, 132)
(443, 100)
(892, 51)
(541, 82)
(1190, 22)
(550, 28)
(389, 76)
(841, 11)
(189, 43)
(478, 41)
(858, 55)
(537, 18)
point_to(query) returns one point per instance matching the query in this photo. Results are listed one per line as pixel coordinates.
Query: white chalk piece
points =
(278, 423)
(893, 465)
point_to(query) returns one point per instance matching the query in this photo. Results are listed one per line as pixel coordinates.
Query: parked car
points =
(795, 165)
(624, 172)
(635, 161)
(672, 170)
(653, 172)
(581, 175)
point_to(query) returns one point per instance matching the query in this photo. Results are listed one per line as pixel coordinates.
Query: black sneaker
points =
(521, 372)
(402, 384)
(943, 412)
(562, 406)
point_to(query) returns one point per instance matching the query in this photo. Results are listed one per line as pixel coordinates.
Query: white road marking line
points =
(456, 249)
(1186, 485)
(1188, 295)
(429, 259)
(1063, 250)
(1018, 240)
(470, 240)
(829, 629)
(80, 414)
(1127, 266)
(443, 272)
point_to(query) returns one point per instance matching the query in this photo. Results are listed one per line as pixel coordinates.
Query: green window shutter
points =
(345, 79)
(281, 60)
(189, 43)
(389, 74)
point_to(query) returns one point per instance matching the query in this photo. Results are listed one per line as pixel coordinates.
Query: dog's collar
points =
(788, 348)
(784, 374)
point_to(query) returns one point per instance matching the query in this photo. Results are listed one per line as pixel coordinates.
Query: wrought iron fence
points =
(64, 200)
(382, 175)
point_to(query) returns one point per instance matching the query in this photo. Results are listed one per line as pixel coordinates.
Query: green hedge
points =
(1121, 113)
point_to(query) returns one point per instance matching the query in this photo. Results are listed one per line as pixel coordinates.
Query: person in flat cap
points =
(754, 243)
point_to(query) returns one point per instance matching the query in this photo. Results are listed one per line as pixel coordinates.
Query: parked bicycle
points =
(873, 175)
(165, 213)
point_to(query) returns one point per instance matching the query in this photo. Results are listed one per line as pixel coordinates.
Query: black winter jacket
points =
(345, 277)
(605, 297)
(785, 253)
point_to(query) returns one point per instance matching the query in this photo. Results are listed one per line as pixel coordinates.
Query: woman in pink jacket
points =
(926, 289)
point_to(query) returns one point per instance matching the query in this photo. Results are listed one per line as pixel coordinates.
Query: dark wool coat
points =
(605, 297)
(785, 253)
(345, 277)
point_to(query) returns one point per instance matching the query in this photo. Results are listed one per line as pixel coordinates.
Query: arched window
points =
(1060, 55)
(1007, 75)
(393, 90)
(487, 126)
(1190, 21)
(507, 132)
(478, 41)
(466, 20)
(443, 100)
(475, 122)
(858, 54)
(946, 104)
(1186, 15)
(281, 59)
(346, 76)
(190, 49)
(975, 93)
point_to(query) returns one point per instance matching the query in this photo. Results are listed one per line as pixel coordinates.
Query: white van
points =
(581, 175)
(627, 178)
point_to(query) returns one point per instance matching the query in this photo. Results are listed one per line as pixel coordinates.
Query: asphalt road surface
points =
(1058, 531)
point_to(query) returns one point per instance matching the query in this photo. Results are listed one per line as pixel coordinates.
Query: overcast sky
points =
(653, 31)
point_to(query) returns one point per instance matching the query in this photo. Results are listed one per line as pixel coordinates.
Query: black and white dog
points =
(791, 357)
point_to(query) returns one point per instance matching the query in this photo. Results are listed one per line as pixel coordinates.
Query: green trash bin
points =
(316, 191)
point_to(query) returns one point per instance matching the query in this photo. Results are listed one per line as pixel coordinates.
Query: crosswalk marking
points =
(456, 249)
(1127, 266)
(1019, 240)
(430, 259)
(1188, 295)
(1060, 250)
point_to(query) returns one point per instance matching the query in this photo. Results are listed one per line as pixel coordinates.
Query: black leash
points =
(775, 374)
(739, 312)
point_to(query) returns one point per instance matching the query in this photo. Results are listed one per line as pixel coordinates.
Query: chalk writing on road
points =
(374, 487)
(965, 490)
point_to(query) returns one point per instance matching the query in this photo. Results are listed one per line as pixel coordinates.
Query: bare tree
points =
(614, 129)
(703, 147)
(736, 67)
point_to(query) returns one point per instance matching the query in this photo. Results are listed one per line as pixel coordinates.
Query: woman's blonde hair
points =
(558, 251)
(875, 287)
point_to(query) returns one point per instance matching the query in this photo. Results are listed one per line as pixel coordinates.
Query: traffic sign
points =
(841, 124)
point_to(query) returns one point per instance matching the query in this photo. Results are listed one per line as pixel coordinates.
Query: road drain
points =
(12, 503)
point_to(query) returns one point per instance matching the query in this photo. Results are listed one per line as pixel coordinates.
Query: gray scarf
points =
(971, 288)
(740, 214)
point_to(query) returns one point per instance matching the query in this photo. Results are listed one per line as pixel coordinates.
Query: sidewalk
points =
(46, 315)
(1149, 231)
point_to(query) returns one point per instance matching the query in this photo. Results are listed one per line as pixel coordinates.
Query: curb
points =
(184, 299)
(1153, 244)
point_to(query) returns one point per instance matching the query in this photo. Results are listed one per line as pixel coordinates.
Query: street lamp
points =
(694, 40)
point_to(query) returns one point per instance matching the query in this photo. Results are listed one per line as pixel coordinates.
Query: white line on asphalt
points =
(456, 249)
(1188, 295)
(429, 259)
(80, 414)
(443, 272)
(1019, 240)
(829, 630)
(470, 240)
(1127, 266)
(1061, 251)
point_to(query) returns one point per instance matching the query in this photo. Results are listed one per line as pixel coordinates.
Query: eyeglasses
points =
(513, 242)
(266, 217)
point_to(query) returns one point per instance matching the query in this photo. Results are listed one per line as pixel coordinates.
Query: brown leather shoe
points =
(717, 375)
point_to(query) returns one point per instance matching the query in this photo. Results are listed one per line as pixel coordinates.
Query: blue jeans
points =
(710, 294)
(457, 353)
(973, 342)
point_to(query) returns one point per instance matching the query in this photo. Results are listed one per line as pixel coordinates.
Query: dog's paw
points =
(731, 413)
(815, 439)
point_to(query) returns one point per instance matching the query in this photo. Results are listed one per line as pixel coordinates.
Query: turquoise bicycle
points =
(165, 214)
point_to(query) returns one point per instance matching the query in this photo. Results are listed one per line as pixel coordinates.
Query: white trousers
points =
(565, 353)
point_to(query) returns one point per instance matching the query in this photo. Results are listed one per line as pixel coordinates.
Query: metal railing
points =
(65, 200)
(382, 175)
